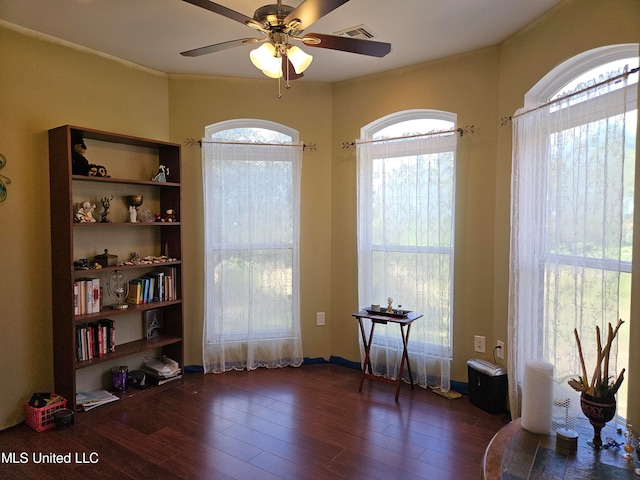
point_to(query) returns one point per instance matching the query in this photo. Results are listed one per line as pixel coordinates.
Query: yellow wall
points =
(44, 85)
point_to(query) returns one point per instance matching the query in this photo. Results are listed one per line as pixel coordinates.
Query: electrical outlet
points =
(319, 318)
(500, 349)
(479, 343)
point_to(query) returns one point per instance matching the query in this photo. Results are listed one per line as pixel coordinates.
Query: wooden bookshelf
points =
(134, 161)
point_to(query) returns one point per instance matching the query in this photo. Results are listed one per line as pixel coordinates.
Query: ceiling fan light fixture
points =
(273, 71)
(264, 56)
(299, 59)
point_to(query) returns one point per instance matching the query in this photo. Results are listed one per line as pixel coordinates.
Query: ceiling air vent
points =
(361, 31)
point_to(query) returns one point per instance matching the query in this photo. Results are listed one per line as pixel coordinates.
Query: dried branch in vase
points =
(599, 385)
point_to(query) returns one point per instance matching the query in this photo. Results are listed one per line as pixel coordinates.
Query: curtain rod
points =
(312, 146)
(613, 79)
(469, 129)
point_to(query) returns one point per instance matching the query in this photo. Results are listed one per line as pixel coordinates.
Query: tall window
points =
(406, 191)
(251, 181)
(572, 215)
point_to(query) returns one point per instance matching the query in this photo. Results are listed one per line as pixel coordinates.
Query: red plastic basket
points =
(41, 419)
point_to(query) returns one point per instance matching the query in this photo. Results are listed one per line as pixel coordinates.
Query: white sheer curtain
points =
(571, 220)
(251, 270)
(406, 191)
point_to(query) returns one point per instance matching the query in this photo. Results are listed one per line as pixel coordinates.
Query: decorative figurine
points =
(133, 214)
(85, 213)
(389, 307)
(134, 201)
(106, 204)
(145, 215)
(163, 173)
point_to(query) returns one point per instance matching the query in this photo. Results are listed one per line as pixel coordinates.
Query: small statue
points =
(163, 173)
(389, 307)
(133, 214)
(106, 204)
(85, 213)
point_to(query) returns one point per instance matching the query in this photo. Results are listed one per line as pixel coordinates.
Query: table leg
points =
(367, 348)
(405, 357)
(406, 353)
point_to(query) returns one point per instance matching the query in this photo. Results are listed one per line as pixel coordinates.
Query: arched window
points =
(572, 216)
(406, 212)
(251, 190)
(251, 130)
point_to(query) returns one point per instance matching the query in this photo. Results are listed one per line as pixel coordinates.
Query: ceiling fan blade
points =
(196, 52)
(288, 71)
(226, 12)
(310, 11)
(347, 44)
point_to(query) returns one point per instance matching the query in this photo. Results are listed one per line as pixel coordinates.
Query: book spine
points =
(76, 298)
(88, 296)
(83, 297)
(79, 355)
(95, 284)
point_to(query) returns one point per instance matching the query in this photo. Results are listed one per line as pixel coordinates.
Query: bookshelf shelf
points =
(132, 162)
(108, 312)
(96, 271)
(130, 348)
(84, 178)
(126, 224)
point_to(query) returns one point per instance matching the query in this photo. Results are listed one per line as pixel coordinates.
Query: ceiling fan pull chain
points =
(288, 84)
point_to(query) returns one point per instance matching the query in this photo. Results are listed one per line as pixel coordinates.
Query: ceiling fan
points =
(281, 23)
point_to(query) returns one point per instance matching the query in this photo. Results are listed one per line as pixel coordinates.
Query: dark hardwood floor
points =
(293, 423)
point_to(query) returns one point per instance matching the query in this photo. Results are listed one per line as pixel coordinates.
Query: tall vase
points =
(599, 411)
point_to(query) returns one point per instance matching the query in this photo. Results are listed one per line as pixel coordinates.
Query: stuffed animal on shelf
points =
(80, 165)
(170, 216)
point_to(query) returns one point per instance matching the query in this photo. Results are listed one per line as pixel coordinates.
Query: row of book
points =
(87, 296)
(156, 286)
(95, 339)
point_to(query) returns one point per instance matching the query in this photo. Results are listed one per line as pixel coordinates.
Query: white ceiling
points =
(152, 33)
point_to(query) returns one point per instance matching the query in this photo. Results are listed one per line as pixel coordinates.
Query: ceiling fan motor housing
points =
(272, 15)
